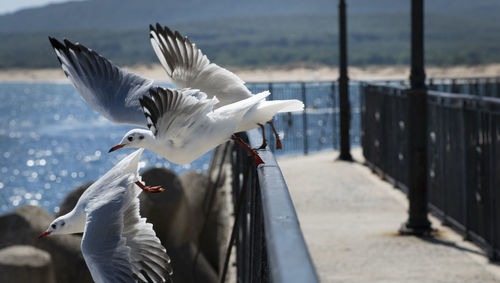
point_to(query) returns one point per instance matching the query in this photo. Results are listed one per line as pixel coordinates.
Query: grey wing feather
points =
(173, 113)
(109, 90)
(147, 254)
(103, 246)
(189, 68)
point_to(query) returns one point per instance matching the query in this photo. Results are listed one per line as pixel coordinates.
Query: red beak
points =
(116, 147)
(44, 234)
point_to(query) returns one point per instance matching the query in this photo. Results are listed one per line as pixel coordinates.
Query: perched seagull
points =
(188, 67)
(185, 127)
(117, 245)
(183, 124)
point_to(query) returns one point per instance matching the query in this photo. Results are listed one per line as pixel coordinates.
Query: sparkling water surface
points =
(51, 142)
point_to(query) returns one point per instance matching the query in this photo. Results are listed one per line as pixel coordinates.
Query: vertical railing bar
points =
(270, 136)
(237, 214)
(334, 116)
(304, 117)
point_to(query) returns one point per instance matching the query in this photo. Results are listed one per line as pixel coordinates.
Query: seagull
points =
(187, 66)
(117, 245)
(183, 124)
(117, 94)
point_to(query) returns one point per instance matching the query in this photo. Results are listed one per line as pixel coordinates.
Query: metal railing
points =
(384, 135)
(482, 86)
(317, 128)
(463, 155)
(269, 243)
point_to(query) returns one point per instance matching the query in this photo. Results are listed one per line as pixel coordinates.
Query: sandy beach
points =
(275, 74)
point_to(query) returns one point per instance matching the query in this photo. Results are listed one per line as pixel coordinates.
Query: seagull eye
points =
(130, 138)
(62, 224)
(141, 137)
(53, 226)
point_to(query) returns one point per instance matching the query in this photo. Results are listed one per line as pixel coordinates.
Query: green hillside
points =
(460, 34)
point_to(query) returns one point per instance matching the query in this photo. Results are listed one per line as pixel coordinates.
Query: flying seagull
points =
(183, 124)
(117, 245)
(117, 95)
(187, 66)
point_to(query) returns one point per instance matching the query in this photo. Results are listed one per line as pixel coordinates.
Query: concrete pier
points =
(350, 219)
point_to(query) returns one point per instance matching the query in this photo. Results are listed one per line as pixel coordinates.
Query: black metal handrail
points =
(463, 155)
(269, 242)
(480, 86)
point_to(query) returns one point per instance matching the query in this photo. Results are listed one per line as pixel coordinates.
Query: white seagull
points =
(117, 245)
(184, 124)
(187, 66)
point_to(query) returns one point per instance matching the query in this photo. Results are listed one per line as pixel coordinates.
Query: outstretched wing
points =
(109, 90)
(148, 257)
(189, 68)
(171, 114)
(103, 246)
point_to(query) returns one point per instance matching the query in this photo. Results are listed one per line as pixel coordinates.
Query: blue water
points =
(51, 141)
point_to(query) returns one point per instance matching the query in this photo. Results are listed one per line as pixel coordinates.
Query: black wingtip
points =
(52, 41)
(56, 44)
(169, 32)
(152, 91)
(178, 35)
(162, 91)
(151, 28)
(169, 91)
(69, 44)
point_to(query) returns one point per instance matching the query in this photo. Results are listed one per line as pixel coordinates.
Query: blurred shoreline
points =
(275, 73)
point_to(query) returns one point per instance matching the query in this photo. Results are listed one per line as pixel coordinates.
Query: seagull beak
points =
(44, 234)
(116, 147)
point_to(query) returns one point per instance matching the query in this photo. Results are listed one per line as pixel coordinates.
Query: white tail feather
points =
(292, 105)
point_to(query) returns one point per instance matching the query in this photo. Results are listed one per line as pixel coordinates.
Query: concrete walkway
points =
(350, 220)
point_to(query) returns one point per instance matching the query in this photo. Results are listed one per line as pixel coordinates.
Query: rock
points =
(174, 224)
(70, 200)
(25, 264)
(184, 269)
(197, 188)
(195, 185)
(26, 223)
(167, 211)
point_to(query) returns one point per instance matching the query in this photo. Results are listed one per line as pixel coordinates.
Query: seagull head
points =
(135, 138)
(72, 222)
(58, 226)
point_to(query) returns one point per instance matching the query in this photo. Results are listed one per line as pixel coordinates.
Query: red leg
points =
(243, 144)
(264, 141)
(278, 140)
(148, 189)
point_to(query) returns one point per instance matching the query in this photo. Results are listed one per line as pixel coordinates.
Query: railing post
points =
(454, 86)
(272, 140)
(334, 116)
(498, 87)
(345, 113)
(304, 118)
(417, 223)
